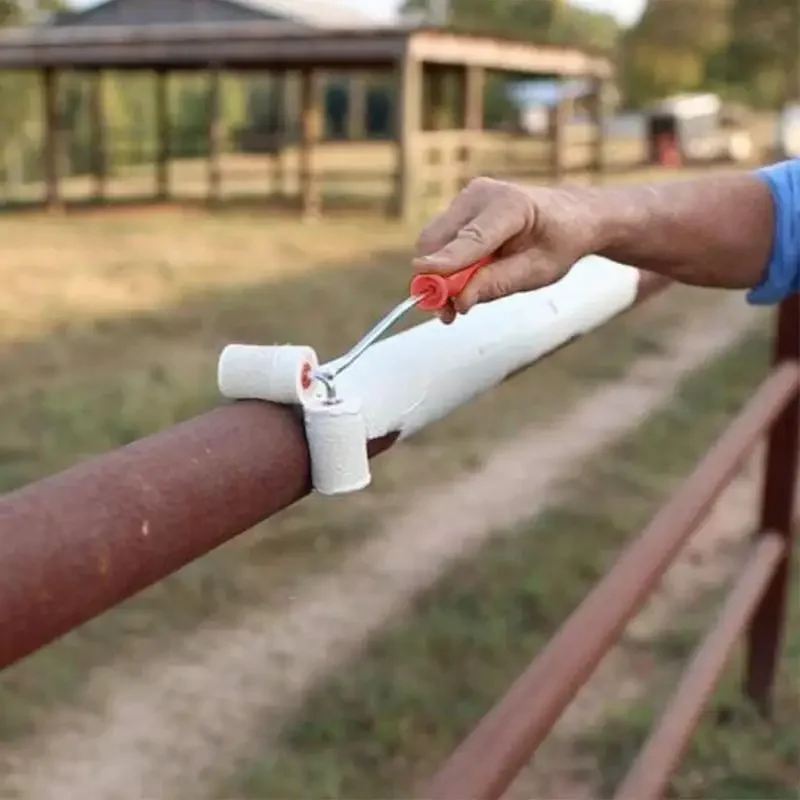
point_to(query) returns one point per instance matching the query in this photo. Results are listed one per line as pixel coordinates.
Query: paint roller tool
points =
(336, 429)
(427, 291)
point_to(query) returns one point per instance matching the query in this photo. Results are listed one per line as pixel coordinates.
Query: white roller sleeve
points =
(337, 443)
(278, 373)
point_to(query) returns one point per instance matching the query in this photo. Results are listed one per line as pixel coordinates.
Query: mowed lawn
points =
(110, 328)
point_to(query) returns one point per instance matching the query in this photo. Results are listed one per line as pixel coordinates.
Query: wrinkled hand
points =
(535, 235)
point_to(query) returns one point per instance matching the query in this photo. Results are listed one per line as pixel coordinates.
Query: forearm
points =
(715, 232)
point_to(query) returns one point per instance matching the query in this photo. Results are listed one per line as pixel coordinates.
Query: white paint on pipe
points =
(412, 379)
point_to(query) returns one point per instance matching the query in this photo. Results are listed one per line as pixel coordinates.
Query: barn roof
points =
(272, 44)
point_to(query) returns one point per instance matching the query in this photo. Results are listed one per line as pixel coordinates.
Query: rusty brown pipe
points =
(76, 544)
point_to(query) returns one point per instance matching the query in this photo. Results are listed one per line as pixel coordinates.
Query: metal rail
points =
(650, 774)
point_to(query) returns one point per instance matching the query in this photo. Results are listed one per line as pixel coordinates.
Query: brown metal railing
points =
(487, 762)
(76, 544)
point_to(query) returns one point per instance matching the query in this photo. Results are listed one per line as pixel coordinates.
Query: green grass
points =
(387, 720)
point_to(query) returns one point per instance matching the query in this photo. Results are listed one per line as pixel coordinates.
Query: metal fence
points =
(485, 765)
(75, 544)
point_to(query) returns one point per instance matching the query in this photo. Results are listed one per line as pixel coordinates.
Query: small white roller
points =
(280, 374)
(337, 443)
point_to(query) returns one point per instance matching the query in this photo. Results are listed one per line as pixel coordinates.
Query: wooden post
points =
(163, 134)
(52, 137)
(357, 107)
(287, 89)
(215, 135)
(292, 104)
(599, 108)
(474, 98)
(474, 111)
(408, 124)
(310, 133)
(558, 138)
(98, 134)
(436, 111)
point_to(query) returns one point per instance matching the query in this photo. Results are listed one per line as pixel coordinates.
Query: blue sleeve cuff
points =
(782, 275)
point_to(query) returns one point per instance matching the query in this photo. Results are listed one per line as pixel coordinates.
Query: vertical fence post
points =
(777, 514)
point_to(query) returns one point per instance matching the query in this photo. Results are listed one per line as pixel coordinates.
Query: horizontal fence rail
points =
(488, 761)
(652, 770)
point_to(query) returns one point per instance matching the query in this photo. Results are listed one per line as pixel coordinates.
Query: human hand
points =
(534, 235)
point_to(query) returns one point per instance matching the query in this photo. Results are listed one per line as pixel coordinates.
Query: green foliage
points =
(672, 46)
(764, 48)
(554, 21)
(744, 49)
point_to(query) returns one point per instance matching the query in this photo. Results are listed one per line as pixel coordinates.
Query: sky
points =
(626, 11)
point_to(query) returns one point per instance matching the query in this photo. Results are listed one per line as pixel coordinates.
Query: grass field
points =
(383, 723)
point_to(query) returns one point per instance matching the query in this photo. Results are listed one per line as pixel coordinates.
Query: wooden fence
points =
(77, 543)
(357, 175)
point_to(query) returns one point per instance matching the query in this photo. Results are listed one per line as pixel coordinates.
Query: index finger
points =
(445, 226)
(481, 236)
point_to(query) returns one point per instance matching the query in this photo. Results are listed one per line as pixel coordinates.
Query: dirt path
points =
(167, 729)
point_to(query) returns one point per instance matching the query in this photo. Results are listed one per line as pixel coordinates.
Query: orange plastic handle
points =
(437, 290)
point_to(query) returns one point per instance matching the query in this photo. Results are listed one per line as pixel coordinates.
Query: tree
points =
(763, 49)
(545, 21)
(539, 20)
(671, 47)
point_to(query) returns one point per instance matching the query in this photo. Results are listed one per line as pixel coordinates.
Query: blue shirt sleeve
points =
(782, 275)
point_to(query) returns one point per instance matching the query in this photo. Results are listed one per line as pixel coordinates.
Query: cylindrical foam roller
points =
(337, 442)
(280, 374)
